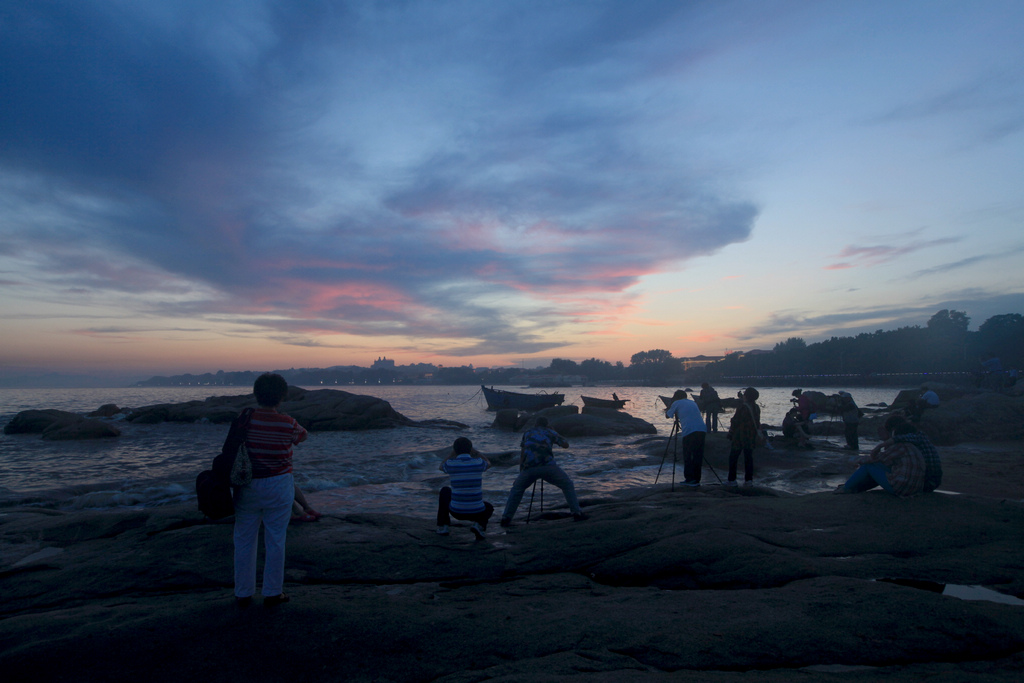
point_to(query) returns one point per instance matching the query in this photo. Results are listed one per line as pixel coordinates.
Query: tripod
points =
(674, 443)
(532, 496)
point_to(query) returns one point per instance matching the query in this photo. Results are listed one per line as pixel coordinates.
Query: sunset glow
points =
(194, 187)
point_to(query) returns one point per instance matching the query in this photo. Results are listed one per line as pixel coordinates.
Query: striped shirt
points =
(270, 438)
(466, 473)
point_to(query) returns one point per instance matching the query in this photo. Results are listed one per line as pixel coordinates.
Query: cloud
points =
(326, 168)
(873, 255)
(963, 263)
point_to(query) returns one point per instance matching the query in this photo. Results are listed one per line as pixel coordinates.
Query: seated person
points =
(464, 499)
(794, 428)
(896, 464)
(301, 511)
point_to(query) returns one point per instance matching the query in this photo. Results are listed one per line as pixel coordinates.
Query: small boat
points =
(616, 403)
(499, 399)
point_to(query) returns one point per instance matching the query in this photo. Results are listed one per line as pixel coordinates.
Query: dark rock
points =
(106, 410)
(685, 586)
(59, 425)
(35, 421)
(507, 419)
(80, 429)
(601, 422)
(316, 410)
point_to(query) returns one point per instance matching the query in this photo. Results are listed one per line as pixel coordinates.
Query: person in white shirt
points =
(692, 431)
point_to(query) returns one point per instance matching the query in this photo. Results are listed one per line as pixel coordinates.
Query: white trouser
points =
(268, 501)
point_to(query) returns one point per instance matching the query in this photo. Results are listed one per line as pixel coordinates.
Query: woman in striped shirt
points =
(268, 499)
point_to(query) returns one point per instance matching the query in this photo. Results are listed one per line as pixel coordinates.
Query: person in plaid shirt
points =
(898, 466)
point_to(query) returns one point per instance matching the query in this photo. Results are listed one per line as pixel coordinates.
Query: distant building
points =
(383, 363)
(699, 361)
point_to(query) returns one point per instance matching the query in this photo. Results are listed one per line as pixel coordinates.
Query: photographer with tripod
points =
(536, 461)
(691, 428)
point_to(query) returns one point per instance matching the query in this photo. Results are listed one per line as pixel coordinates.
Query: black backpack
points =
(213, 486)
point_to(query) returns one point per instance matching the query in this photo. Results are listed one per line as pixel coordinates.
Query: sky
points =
(247, 185)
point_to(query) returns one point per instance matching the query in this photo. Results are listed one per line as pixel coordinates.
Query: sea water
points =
(390, 471)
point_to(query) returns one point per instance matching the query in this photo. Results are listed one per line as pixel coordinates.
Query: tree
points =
(560, 366)
(654, 364)
(947, 336)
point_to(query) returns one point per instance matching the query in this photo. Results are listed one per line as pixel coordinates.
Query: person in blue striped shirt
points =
(464, 499)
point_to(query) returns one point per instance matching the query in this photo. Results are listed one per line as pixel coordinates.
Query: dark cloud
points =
(979, 304)
(221, 157)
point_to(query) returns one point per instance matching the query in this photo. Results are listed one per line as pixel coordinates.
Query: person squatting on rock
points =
(850, 412)
(926, 401)
(464, 499)
(536, 461)
(268, 499)
(692, 432)
(711, 404)
(898, 464)
(743, 433)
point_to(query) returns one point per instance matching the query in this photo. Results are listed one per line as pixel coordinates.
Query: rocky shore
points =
(747, 585)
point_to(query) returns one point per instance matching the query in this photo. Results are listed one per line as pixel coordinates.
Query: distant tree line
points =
(944, 345)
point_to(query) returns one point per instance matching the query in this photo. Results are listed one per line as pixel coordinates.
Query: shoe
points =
(442, 530)
(748, 484)
(477, 530)
(275, 600)
(692, 484)
(580, 517)
(243, 603)
(313, 513)
(297, 519)
(731, 483)
(506, 522)
(841, 489)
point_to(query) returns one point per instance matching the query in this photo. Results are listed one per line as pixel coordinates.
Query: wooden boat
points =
(617, 404)
(499, 399)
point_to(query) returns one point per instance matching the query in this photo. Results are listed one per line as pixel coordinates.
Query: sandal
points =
(313, 513)
(303, 518)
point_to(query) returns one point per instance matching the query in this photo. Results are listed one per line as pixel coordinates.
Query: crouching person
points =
(464, 499)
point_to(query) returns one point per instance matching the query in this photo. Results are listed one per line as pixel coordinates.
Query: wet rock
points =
(106, 410)
(316, 410)
(661, 586)
(59, 425)
(601, 422)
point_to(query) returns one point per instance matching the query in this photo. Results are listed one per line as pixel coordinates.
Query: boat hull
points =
(592, 402)
(499, 399)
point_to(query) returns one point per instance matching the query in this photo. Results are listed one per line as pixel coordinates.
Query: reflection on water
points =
(958, 591)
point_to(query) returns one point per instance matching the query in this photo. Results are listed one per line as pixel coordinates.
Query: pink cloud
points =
(867, 256)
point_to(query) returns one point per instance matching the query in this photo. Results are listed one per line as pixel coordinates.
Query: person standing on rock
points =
(536, 461)
(268, 499)
(711, 404)
(464, 499)
(850, 412)
(743, 435)
(693, 432)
